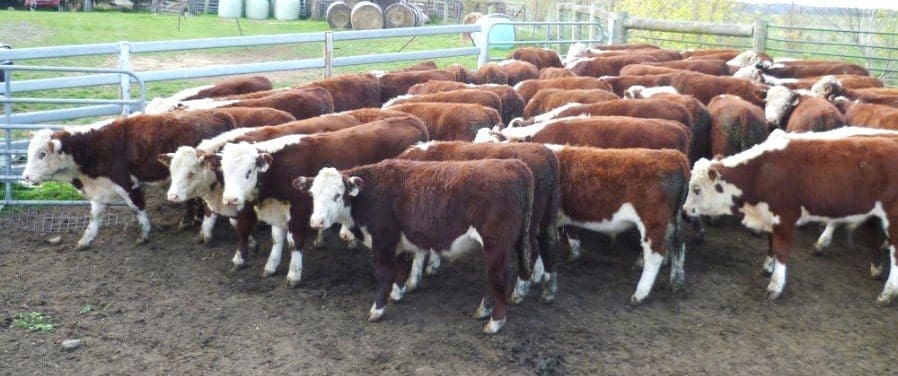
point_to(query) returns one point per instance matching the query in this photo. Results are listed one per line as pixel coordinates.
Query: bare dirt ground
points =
(175, 307)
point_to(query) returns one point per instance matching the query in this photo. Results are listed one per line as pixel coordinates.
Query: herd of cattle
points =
(437, 162)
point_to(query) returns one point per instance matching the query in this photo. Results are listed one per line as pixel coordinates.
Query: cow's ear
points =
(712, 173)
(263, 161)
(795, 99)
(354, 185)
(54, 146)
(165, 158)
(212, 161)
(303, 183)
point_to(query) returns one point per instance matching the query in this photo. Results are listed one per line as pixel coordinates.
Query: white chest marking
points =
(759, 217)
(274, 212)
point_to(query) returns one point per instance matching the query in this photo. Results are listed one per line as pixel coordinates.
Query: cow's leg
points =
(291, 242)
(433, 263)
(497, 282)
(767, 267)
(97, 210)
(403, 264)
(651, 237)
(384, 258)
(243, 225)
(192, 211)
(573, 246)
(890, 290)
(825, 239)
(522, 283)
(544, 267)
(417, 269)
(209, 218)
(781, 242)
(676, 252)
(278, 235)
(136, 201)
(876, 270)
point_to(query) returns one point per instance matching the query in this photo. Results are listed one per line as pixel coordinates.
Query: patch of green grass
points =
(32, 322)
(46, 191)
(85, 309)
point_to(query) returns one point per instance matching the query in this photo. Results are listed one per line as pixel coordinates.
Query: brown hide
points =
(736, 125)
(452, 121)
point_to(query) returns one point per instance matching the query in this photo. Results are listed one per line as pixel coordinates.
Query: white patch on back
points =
(551, 114)
(522, 133)
(775, 142)
(212, 145)
(396, 99)
(555, 148)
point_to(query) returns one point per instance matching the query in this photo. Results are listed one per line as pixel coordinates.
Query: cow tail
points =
(553, 230)
(525, 247)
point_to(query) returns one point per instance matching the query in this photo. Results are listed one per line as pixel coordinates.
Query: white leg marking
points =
(294, 273)
(539, 270)
(493, 326)
(521, 289)
(397, 293)
(277, 247)
(891, 288)
(483, 311)
(677, 269)
(375, 314)
(206, 228)
(97, 209)
(433, 263)
(875, 270)
(414, 276)
(825, 239)
(290, 242)
(144, 226)
(575, 249)
(649, 273)
(768, 265)
(238, 260)
(550, 287)
(777, 280)
(233, 222)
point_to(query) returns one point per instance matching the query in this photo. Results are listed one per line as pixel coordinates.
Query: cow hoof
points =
(521, 289)
(885, 300)
(635, 302)
(375, 314)
(876, 272)
(292, 283)
(411, 285)
(397, 293)
(433, 266)
(817, 250)
(202, 240)
(493, 326)
(773, 294)
(235, 266)
(82, 246)
(142, 240)
(482, 312)
(677, 287)
(268, 273)
(550, 287)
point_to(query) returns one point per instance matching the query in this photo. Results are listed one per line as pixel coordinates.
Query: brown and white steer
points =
(461, 73)
(647, 70)
(830, 88)
(351, 91)
(736, 125)
(546, 199)
(473, 96)
(491, 73)
(805, 68)
(302, 103)
(547, 100)
(396, 84)
(527, 89)
(542, 58)
(705, 87)
(452, 121)
(701, 117)
(714, 67)
(257, 116)
(232, 86)
(552, 73)
(606, 66)
(367, 115)
(518, 70)
(260, 175)
(109, 164)
(613, 190)
(196, 172)
(512, 104)
(832, 178)
(448, 207)
(873, 116)
(800, 113)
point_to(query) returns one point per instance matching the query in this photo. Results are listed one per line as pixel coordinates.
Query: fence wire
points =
(61, 219)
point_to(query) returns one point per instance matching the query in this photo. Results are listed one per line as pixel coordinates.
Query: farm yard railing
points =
(622, 27)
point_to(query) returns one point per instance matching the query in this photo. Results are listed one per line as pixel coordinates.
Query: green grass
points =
(46, 191)
(32, 322)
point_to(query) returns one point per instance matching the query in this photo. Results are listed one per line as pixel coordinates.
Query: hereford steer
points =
(301, 103)
(700, 123)
(803, 68)
(714, 67)
(700, 53)
(395, 84)
(527, 89)
(109, 164)
(472, 96)
(448, 207)
(613, 190)
(512, 104)
(491, 73)
(452, 121)
(606, 66)
(232, 86)
(648, 69)
(832, 178)
(367, 115)
(351, 91)
(552, 73)
(461, 73)
(705, 87)
(872, 116)
(736, 125)
(542, 58)
(260, 175)
(549, 99)
(257, 116)
(517, 71)
(800, 113)
(543, 228)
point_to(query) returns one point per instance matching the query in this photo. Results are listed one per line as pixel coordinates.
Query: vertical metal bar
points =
(7, 112)
(592, 21)
(558, 29)
(124, 63)
(445, 12)
(328, 54)
(484, 56)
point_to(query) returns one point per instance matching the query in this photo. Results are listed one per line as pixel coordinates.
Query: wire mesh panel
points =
(60, 219)
(682, 41)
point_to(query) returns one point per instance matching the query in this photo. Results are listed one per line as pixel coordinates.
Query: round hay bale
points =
(339, 15)
(367, 16)
(399, 15)
(420, 17)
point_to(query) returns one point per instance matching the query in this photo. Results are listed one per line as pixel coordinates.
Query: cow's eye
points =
(336, 197)
(247, 174)
(42, 155)
(697, 190)
(190, 175)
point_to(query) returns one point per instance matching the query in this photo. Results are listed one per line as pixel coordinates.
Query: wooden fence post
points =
(616, 26)
(759, 36)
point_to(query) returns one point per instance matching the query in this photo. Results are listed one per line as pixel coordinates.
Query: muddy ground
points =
(175, 307)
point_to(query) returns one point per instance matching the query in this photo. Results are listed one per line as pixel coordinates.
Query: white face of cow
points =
(709, 194)
(750, 73)
(190, 177)
(241, 165)
(824, 87)
(331, 194)
(46, 160)
(779, 101)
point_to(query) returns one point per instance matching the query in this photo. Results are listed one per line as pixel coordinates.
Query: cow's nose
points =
(316, 223)
(26, 178)
(230, 200)
(173, 197)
